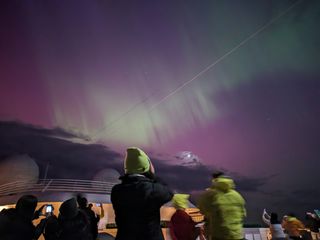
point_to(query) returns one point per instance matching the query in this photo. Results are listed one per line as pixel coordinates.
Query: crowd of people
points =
(75, 221)
(290, 227)
(137, 201)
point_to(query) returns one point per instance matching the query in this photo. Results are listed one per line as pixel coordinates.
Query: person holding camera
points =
(313, 223)
(274, 224)
(70, 224)
(92, 217)
(52, 229)
(138, 198)
(16, 223)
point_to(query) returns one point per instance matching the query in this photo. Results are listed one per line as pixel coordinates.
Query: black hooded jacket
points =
(14, 226)
(136, 202)
(76, 228)
(16, 223)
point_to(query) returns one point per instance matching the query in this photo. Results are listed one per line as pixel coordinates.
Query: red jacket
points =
(182, 227)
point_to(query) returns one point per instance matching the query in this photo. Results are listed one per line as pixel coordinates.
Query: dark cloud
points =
(253, 184)
(28, 129)
(306, 196)
(189, 179)
(66, 159)
(312, 192)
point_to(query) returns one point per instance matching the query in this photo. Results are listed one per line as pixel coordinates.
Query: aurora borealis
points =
(105, 70)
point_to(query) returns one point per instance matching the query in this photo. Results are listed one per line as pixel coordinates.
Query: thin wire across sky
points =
(198, 75)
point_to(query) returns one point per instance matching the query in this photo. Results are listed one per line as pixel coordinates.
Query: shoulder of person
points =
(8, 213)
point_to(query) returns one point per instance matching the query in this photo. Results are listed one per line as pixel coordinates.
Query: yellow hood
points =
(224, 184)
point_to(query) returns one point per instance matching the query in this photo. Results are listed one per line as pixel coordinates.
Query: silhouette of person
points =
(138, 198)
(274, 224)
(224, 209)
(93, 219)
(182, 227)
(16, 223)
(74, 223)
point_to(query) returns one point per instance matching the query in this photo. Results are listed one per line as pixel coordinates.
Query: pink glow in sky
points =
(98, 68)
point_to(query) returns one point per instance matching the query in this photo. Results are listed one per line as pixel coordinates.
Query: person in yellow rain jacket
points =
(292, 226)
(224, 210)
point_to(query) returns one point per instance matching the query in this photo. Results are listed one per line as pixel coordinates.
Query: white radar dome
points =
(107, 175)
(18, 168)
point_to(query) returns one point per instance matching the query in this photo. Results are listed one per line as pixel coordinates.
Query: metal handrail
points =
(57, 185)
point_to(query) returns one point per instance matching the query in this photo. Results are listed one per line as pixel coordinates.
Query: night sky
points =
(236, 83)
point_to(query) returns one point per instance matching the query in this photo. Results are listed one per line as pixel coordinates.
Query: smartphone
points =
(49, 208)
(317, 212)
(98, 204)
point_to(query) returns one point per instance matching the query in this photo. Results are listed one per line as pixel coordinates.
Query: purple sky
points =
(106, 70)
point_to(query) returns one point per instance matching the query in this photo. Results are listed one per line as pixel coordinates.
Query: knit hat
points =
(136, 161)
(223, 183)
(180, 200)
(69, 208)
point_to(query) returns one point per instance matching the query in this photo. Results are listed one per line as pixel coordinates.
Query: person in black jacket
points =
(138, 198)
(74, 223)
(93, 219)
(16, 223)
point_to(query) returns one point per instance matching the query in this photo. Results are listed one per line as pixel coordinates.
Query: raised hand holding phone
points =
(48, 210)
(317, 213)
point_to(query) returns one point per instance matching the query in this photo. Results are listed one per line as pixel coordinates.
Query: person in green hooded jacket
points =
(224, 210)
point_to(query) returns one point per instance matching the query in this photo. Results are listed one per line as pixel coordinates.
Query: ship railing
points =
(57, 185)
